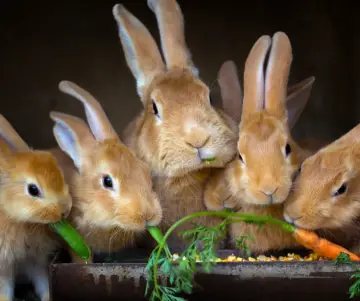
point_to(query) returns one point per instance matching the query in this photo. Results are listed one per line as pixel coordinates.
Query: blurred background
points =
(43, 43)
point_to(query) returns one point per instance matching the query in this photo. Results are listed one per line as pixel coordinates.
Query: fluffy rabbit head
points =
(32, 185)
(327, 189)
(113, 188)
(180, 128)
(268, 156)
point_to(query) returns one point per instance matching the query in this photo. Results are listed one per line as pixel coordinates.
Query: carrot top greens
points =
(354, 289)
(180, 273)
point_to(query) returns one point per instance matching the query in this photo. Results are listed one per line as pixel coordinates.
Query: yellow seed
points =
(231, 258)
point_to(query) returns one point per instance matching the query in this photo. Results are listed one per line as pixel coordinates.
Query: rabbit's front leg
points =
(6, 283)
(217, 195)
(37, 271)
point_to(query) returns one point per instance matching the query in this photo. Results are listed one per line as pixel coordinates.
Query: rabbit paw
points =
(213, 202)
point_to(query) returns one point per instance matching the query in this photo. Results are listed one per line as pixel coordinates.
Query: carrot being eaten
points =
(321, 246)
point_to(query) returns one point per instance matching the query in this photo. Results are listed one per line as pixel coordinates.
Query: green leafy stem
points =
(230, 217)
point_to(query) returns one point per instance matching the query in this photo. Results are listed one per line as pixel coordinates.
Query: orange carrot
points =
(321, 246)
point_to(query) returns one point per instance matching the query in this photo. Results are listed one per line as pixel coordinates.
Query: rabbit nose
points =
(197, 139)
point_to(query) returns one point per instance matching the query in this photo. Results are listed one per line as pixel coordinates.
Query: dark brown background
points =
(43, 43)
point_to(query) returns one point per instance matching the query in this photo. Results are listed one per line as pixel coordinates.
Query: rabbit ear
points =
(351, 137)
(72, 135)
(298, 96)
(142, 54)
(231, 92)
(11, 137)
(171, 25)
(277, 74)
(254, 77)
(96, 117)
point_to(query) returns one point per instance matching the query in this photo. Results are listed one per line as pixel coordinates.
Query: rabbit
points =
(178, 129)
(33, 194)
(326, 192)
(260, 179)
(113, 199)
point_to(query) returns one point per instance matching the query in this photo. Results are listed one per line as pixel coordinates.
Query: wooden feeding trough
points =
(276, 280)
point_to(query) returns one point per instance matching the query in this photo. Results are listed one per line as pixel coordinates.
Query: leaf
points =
(355, 289)
(355, 276)
(241, 243)
(168, 294)
(166, 266)
(343, 258)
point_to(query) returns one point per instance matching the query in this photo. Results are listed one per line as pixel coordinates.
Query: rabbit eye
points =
(155, 109)
(287, 149)
(241, 158)
(107, 182)
(341, 190)
(33, 190)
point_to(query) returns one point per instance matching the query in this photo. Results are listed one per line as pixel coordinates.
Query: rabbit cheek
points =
(66, 208)
(156, 213)
(237, 179)
(131, 215)
(303, 215)
(282, 193)
(48, 214)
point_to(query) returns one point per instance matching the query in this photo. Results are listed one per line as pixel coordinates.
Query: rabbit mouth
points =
(263, 202)
(131, 226)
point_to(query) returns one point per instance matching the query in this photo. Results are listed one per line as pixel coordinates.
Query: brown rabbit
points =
(33, 194)
(326, 194)
(112, 191)
(260, 179)
(178, 130)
